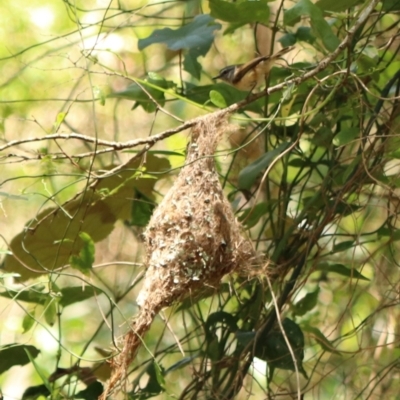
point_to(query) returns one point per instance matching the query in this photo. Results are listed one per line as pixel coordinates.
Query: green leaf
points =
(299, 163)
(98, 94)
(337, 5)
(241, 12)
(84, 261)
(197, 34)
(320, 27)
(35, 392)
(93, 391)
(159, 375)
(162, 152)
(31, 295)
(341, 270)
(287, 40)
(307, 303)
(142, 209)
(76, 294)
(390, 233)
(231, 95)
(350, 168)
(367, 62)
(182, 363)
(217, 99)
(251, 216)
(145, 95)
(28, 321)
(155, 384)
(249, 174)
(59, 120)
(275, 351)
(15, 354)
(68, 295)
(343, 246)
(213, 350)
(304, 34)
(195, 37)
(141, 97)
(244, 338)
(220, 317)
(218, 321)
(37, 369)
(50, 310)
(321, 339)
(191, 65)
(346, 135)
(390, 5)
(48, 241)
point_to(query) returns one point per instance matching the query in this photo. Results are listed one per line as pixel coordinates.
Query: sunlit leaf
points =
(83, 262)
(59, 120)
(48, 241)
(98, 93)
(217, 99)
(50, 310)
(28, 321)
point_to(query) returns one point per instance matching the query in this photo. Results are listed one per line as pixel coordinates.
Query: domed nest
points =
(193, 238)
(192, 241)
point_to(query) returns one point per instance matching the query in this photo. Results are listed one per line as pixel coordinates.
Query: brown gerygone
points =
(251, 74)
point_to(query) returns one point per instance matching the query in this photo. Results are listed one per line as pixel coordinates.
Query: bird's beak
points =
(216, 77)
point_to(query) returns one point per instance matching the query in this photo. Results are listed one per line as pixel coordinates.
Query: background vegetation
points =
(95, 101)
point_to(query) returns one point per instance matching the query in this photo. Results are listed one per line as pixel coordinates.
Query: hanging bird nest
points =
(192, 239)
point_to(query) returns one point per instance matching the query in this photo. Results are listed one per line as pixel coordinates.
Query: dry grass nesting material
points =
(192, 239)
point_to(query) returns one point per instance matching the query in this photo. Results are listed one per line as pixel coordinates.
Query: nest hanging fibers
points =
(192, 240)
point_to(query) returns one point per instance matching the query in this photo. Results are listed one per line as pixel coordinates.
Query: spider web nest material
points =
(192, 240)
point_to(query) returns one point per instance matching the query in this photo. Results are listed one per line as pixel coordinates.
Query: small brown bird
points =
(251, 74)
